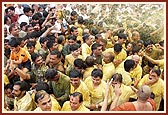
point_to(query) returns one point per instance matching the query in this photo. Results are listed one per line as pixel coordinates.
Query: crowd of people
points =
(84, 57)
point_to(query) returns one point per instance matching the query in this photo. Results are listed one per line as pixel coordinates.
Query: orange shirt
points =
(21, 55)
(129, 106)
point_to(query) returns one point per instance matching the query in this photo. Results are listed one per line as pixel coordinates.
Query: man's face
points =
(39, 60)
(15, 31)
(16, 91)
(75, 32)
(153, 76)
(76, 52)
(71, 42)
(45, 104)
(54, 60)
(149, 48)
(89, 41)
(122, 41)
(98, 51)
(75, 82)
(74, 103)
(96, 81)
(31, 49)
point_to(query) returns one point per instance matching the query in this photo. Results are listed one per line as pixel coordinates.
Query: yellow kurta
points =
(121, 56)
(98, 93)
(136, 73)
(86, 50)
(24, 104)
(157, 89)
(67, 107)
(161, 63)
(38, 109)
(6, 80)
(127, 92)
(108, 71)
(85, 92)
(55, 104)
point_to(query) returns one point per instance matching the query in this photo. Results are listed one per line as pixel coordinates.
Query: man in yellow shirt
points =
(119, 54)
(125, 71)
(75, 103)
(97, 88)
(86, 46)
(156, 84)
(44, 86)
(77, 85)
(23, 101)
(108, 67)
(43, 101)
(127, 91)
(90, 65)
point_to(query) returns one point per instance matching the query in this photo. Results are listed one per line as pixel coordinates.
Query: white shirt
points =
(23, 18)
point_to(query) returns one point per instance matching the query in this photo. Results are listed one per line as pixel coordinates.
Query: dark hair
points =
(43, 39)
(36, 16)
(40, 95)
(74, 47)
(50, 44)
(73, 13)
(94, 31)
(27, 26)
(51, 73)
(34, 34)
(56, 52)
(75, 74)
(157, 70)
(89, 61)
(122, 36)
(34, 56)
(9, 86)
(14, 42)
(23, 85)
(73, 28)
(97, 73)
(148, 42)
(95, 46)
(23, 24)
(30, 44)
(136, 49)
(11, 8)
(117, 77)
(129, 64)
(42, 86)
(78, 94)
(6, 18)
(26, 9)
(117, 47)
(72, 37)
(79, 63)
(85, 36)
(80, 20)
(161, 43)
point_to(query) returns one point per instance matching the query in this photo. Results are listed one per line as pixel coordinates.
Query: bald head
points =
(144, 93)
(136, 59)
